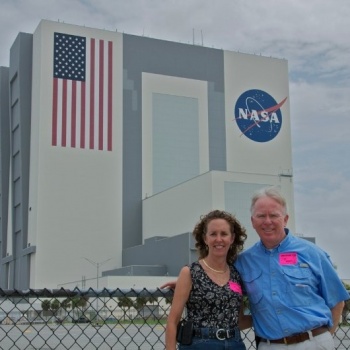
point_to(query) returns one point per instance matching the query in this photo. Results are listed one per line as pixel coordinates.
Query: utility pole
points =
(97, 265)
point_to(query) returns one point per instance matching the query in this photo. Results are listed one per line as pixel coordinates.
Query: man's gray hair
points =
(271, 192)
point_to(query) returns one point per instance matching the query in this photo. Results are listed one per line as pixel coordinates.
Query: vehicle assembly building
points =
(112, 146)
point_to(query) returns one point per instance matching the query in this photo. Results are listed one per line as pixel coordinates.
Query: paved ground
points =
(106, 337)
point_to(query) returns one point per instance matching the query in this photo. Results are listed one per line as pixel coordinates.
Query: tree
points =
(83, 301)
(346, 309)
(79, 302)
(66, 304)
(125, 302)
(45, 305)
(140, 302)
(152, 299)
(55, 306)
(168, 300)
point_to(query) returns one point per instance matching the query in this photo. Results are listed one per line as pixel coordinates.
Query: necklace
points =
(209, 267)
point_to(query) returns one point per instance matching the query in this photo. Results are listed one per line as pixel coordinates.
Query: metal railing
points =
(89, 319)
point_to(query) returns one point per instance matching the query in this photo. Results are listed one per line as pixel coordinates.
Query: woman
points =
(210, 288)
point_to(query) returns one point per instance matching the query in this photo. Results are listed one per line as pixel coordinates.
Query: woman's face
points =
(218, 237)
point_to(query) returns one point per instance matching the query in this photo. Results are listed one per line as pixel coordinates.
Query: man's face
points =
(269, 219)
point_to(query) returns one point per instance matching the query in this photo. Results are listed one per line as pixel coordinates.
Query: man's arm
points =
(336, 312)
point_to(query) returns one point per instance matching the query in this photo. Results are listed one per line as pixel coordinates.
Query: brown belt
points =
(298, 338)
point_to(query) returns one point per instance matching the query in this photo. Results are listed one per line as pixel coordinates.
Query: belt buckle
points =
(218, 336)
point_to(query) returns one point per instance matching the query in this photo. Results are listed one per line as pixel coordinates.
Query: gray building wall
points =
(20, 77)
(173, 253)
(138, 270)
(310, 239)
(4, 169)
(140, 55)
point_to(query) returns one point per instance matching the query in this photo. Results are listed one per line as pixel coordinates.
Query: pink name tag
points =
(235, 287)
(288, 258)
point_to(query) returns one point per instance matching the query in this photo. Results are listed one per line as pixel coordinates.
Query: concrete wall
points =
(4, 172)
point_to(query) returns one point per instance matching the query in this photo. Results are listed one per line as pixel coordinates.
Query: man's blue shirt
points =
(291, 288)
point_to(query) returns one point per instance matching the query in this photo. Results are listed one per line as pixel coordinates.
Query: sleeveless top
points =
(210, 305)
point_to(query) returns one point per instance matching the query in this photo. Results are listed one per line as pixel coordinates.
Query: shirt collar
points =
(281, 246)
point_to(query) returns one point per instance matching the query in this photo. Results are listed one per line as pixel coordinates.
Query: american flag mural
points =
(82, 92)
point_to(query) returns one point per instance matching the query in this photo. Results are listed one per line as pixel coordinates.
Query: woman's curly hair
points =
(236, 229)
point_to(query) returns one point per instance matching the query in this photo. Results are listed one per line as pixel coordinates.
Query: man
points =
(296, 297)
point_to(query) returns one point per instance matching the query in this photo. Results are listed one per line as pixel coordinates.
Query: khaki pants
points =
(320, 342)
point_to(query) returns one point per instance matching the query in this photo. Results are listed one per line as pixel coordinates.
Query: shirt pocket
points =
(253, 285)
(297, 285)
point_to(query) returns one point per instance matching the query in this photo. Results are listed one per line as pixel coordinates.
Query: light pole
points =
(97, 264)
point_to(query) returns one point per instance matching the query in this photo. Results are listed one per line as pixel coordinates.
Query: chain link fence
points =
(89, 319)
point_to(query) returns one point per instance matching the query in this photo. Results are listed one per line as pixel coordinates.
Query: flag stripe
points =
(109, 100)
(68, 107)
(64, 114)
(83, 115)
(92, 92)
(54, 112)
(73, 113)
(100, 112)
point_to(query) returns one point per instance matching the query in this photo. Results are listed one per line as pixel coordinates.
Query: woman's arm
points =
(244, 321)
(181, 294)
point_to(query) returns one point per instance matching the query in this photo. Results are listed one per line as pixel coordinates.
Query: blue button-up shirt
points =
(291, 288)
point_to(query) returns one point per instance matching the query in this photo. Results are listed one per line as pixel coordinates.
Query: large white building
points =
(113, 145)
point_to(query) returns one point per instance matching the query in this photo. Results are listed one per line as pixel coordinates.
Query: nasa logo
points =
(258, 115)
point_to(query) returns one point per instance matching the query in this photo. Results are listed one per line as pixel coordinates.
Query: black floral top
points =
(213, 306)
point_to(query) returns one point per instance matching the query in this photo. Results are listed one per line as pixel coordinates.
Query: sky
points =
(313, 36)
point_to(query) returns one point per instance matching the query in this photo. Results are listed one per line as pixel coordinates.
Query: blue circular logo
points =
(258, 115)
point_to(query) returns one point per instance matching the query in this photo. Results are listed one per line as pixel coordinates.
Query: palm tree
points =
(79, 302)
(55, 306)
(140, 302)
(125, 302)
(152, 299)
(45, 305)
(65, 305)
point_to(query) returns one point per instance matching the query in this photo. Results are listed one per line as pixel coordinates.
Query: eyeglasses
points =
(272, 217)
